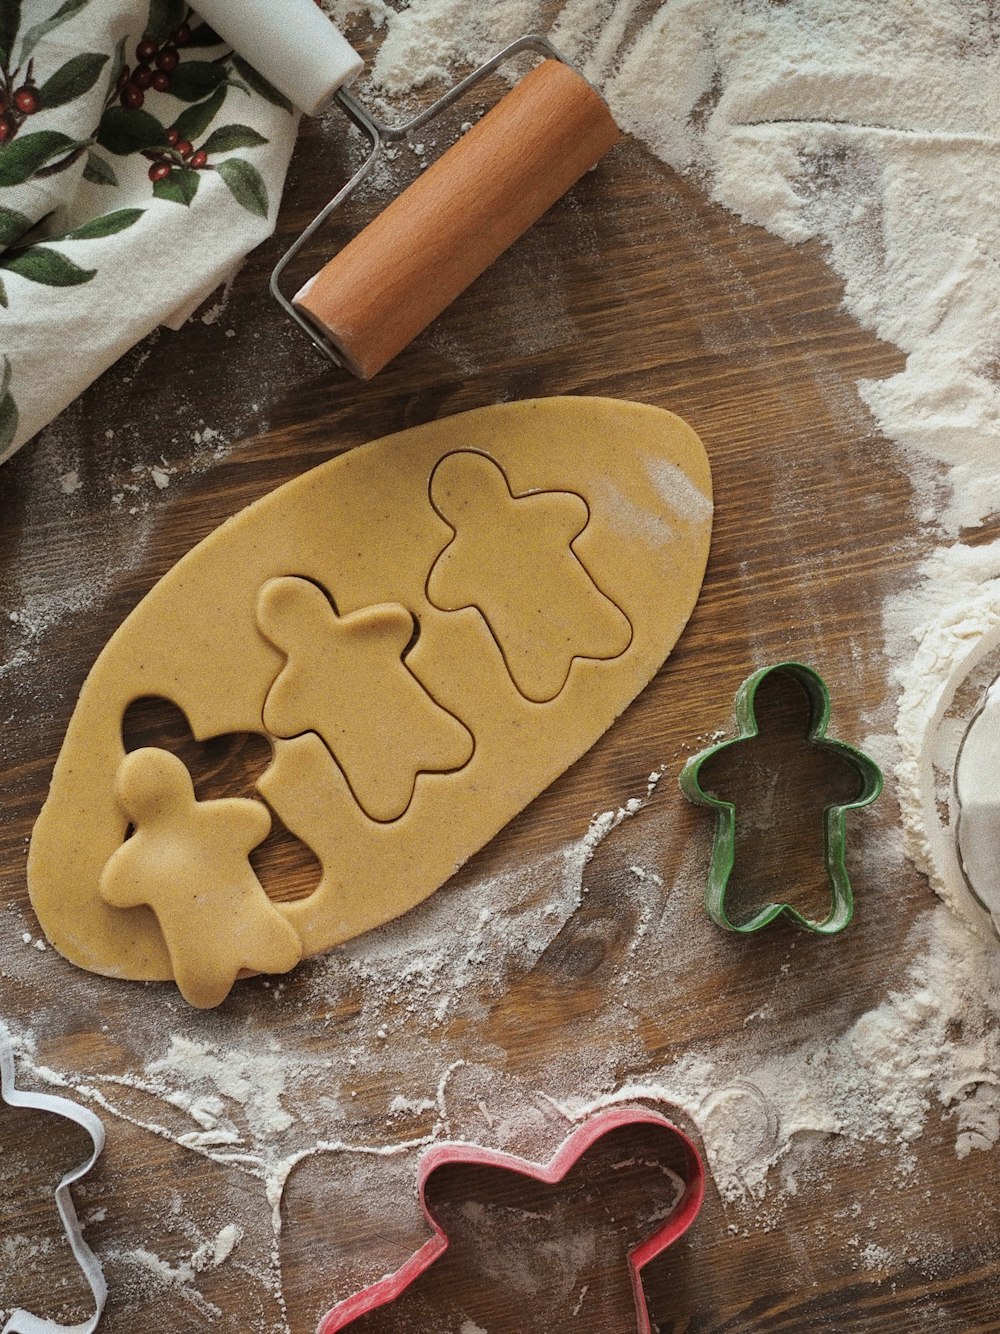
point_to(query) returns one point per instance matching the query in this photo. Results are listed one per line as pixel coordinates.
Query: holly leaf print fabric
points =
(129, 133)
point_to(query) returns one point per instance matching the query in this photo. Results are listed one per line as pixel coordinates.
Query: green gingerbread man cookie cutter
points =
(835, 815)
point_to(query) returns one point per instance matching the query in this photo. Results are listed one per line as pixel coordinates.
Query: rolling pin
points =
(414, 258)
(429, 244)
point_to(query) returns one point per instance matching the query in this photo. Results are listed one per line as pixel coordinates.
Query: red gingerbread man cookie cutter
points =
(572, 1149)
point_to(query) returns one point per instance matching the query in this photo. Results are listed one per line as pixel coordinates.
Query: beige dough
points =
(429, 629)
(188, 861)
(345, 678)
(512, 558)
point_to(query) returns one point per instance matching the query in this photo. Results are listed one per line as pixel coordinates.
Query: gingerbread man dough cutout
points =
(187, 861)
(345, 678)
(512, 558)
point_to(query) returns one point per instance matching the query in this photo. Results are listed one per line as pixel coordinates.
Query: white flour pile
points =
(873, 128)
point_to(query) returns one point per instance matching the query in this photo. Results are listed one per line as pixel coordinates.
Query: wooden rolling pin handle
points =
(414, 258)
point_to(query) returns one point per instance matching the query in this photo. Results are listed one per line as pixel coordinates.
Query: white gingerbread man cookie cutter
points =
(23, 1322)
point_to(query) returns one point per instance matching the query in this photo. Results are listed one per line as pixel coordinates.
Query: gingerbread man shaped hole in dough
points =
(512, 558)
(187, 860)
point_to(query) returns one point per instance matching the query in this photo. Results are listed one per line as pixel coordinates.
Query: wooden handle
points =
(454, 220)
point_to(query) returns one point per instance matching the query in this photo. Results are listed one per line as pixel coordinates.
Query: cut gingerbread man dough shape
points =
(512, 558)
(345, 679)
(187, 861)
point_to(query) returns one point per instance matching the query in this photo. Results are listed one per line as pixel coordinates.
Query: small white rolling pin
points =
(291, 42)
(407, 265)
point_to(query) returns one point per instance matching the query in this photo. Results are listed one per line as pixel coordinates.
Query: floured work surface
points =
(428, 629)
(845, 1091)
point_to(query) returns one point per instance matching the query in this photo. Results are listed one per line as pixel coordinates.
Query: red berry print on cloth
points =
(26, 100)
(146, 113)
(183, 142)
(36, 78)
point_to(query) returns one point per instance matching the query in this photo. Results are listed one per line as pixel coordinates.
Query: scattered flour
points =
(93, 562)
(209, 1255)
(181, 1277)
(282, 1118)
(871, 128)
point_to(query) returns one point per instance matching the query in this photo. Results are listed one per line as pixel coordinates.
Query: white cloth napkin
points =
(140, 161)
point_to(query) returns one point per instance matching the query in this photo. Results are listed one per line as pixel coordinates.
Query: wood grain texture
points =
(634, 286)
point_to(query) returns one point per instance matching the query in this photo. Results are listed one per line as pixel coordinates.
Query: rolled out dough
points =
(547, 554)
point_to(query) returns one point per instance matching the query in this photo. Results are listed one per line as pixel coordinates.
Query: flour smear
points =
(873, 129)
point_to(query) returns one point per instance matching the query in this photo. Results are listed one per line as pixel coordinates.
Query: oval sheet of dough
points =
(549, 553)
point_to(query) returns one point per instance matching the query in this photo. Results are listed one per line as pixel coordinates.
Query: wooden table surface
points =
(637, 287)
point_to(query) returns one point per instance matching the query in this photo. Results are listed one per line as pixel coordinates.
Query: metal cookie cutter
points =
(570, 1151)
(23, 1322)
(835, 816)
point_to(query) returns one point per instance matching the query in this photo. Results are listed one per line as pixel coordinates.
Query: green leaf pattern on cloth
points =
(230, 137)
(71, 80)
(181, 186)
(26, 156)
(103, 137)
(164, 16)
(246, 183)
(99, 170)
(124, 131)
(42, 264)
(13, 225)
(192, 122)
(107, 224)
(260, 85)
(62, 15)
